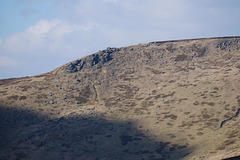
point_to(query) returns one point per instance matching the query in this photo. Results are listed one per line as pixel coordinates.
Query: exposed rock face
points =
(95, 59)
(161, 100)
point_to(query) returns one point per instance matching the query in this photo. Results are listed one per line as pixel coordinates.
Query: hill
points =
(161, 100)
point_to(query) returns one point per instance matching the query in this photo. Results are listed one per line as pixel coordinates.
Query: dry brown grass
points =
(167, 98)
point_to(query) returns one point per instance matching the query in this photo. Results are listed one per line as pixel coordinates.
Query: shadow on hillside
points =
(26, 135)
(12, 121)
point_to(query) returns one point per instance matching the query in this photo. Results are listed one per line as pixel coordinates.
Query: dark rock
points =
(77, 81)
(224, 44)
(158, 106)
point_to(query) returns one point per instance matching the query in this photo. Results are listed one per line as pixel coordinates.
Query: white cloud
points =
(65, 28)
(42, 37)
(42, 27)
(8, 62)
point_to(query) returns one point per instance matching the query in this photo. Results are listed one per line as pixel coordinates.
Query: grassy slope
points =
(158, 100)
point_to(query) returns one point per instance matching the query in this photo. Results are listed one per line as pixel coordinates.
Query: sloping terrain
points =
(155, 101)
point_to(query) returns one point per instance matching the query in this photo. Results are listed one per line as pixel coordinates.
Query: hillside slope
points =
(161, 100)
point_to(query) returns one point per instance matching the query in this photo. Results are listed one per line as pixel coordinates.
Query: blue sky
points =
(37, 36)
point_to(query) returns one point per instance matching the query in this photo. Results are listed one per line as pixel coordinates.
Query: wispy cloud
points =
(42, 36)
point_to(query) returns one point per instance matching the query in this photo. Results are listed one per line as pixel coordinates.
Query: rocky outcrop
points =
(98, 59)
